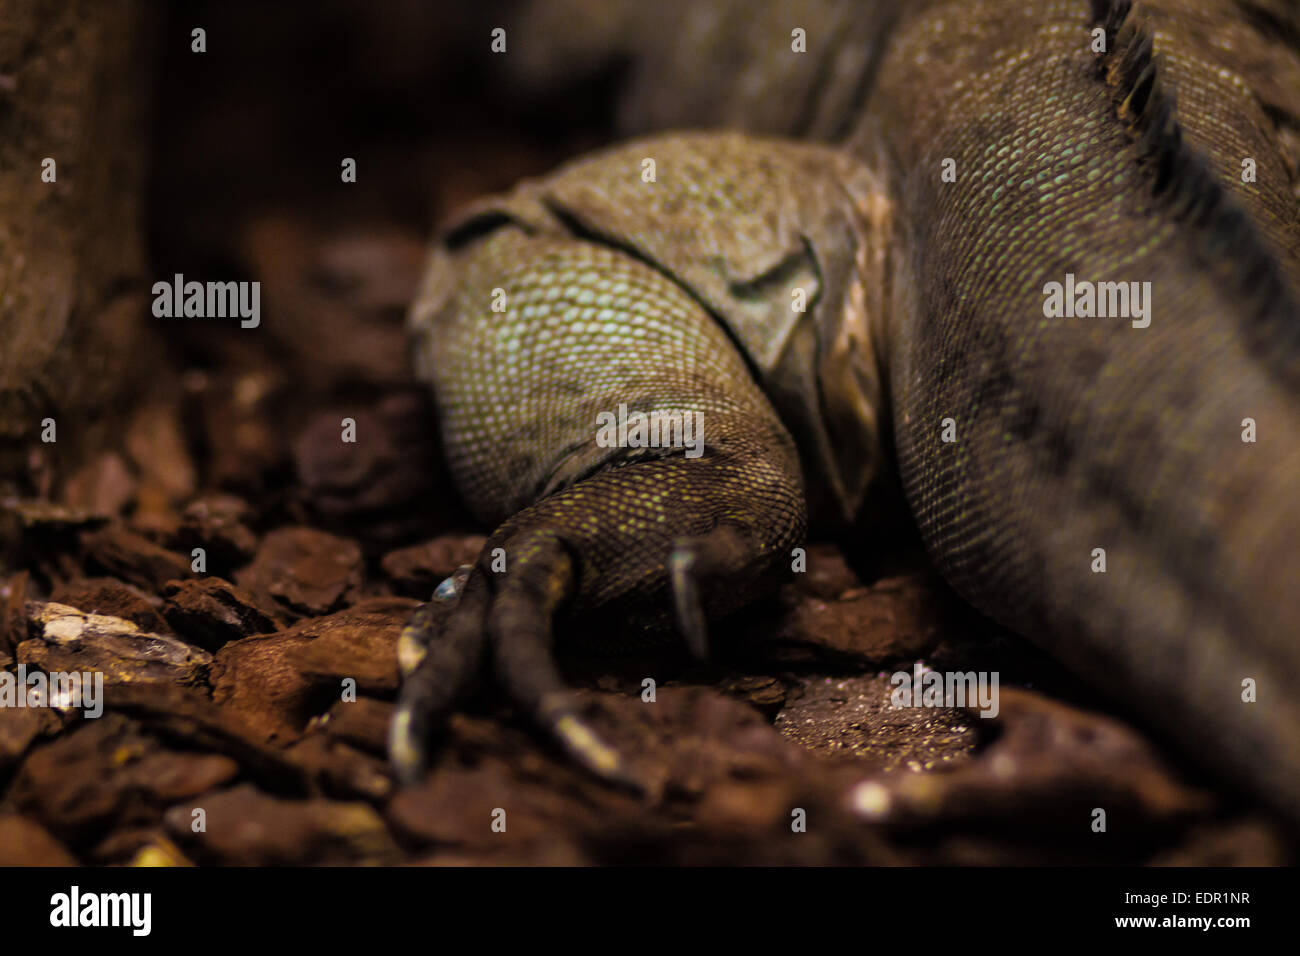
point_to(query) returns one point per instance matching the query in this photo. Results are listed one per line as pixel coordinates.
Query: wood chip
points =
(245, 827)
(67, 639)
(211, 612)
(417, 570)
(124, 554)
(305, 570)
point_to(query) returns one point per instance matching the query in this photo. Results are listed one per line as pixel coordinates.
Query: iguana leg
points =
(602, 292)
(634, 532)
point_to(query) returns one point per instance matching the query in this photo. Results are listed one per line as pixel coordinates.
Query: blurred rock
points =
(1240, 842)
(155, 440)
(160, 851)
(455, 809)
(20, 727)
(342, 771)
(124, 554)
(124, 777)
(363, 723)
(382, 487)
(138, 846)
(13, 615)
(186, 717)
(767, 694)
(893, 619)
(854, 717)
(35, 513)
(235, 412)
(337, 321)
(827, 575)
(42, 538)
(722, 788)
(24, 842)
(220, 524)
(102, 486)
(249, 828)
(1046, 770)
(417, 570)
(375, 270)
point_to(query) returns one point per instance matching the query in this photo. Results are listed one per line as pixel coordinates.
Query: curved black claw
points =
(692, 565)
(420, 631)
(450, 664)
(511, 614)
(519, 628)
(687, 604)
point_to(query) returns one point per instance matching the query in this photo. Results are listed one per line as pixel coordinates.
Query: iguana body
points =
(925, 320)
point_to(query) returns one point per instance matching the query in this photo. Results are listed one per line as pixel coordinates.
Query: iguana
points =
(1118, 489)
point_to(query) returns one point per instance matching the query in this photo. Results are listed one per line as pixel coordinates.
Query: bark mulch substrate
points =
(225, 691)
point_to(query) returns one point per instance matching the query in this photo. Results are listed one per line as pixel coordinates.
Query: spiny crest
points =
(1183, 180)
(1186, 188)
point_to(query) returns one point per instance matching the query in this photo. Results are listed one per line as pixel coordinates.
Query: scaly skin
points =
(588, 329)
(1077, 434)
(925, 304)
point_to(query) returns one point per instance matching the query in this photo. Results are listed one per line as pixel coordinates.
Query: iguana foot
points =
(576, 549)
(506, 618)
